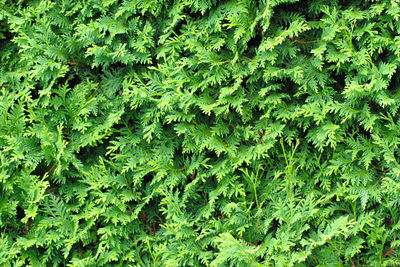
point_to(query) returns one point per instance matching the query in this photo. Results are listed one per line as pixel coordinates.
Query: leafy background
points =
(199, 133)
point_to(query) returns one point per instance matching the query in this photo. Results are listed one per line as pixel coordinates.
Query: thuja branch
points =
(247, 58)
(77, 64)
(390, 251)
(51, 169)
(292, 39)
(95, 90)
(259, 133)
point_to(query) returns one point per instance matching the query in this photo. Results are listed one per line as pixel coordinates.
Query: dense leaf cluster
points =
(199, 133)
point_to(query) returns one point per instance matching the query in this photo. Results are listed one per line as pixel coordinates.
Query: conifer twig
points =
(302, 42)
(229, 60)
(154, 228)
(390, 251)
(77, 64)
(248, 243)
(51, 169)
(306, 42)
(27, 227)
(260, 134)
(379, 169)
(95, 90)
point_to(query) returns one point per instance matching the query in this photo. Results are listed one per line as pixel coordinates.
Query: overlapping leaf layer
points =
(199, 133)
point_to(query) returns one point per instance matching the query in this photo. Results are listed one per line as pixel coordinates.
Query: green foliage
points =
(199, 133)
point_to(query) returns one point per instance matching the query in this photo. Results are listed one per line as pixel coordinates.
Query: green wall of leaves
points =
(199, 133)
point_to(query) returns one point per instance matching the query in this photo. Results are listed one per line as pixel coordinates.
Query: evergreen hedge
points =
(199, 133)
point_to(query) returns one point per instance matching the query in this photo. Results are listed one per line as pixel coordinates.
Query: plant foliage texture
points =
(199, 133)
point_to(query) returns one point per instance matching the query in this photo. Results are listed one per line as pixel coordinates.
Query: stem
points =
(255, 194)
(302, 42)
(288, 174)
(77, 64)
(247, 58)
(305, 42)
